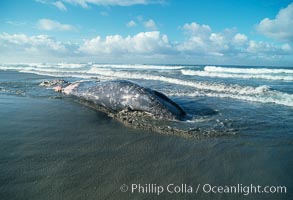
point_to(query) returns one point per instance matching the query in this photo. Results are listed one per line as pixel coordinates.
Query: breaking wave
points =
(239, 76)
(271, 97)
(192, 88)
(136, 66)
(247, 70)
(261, 94)
(196, 84)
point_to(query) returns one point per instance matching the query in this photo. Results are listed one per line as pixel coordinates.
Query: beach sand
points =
(58, 149)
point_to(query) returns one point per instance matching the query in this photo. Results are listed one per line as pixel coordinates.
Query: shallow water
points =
(53, 148)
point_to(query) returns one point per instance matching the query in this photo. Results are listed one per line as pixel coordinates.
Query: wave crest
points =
(239, 76)
(247, 70)
(263, 93)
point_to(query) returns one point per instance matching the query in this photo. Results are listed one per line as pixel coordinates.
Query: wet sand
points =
(58, 149)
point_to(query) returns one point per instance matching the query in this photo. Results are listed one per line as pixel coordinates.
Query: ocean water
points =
(252, 106)
(239, 99)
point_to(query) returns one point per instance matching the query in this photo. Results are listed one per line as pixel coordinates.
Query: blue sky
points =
(243, 32)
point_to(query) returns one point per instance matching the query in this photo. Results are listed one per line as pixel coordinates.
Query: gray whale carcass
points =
(121, 95)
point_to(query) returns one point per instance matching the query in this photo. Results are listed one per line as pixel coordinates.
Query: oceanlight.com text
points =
(244, 189)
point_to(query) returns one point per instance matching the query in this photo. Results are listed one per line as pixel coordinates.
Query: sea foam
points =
(262, 93)
(247, 70)
(238, 76)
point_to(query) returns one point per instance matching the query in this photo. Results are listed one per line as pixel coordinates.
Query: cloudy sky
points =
(242, 32)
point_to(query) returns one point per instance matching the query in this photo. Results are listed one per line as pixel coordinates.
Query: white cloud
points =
(228, 45)
(60, 5)
(131, 23)
(41, 1)
(50, 25)
(142, 43)
(257, 47)
(201, 45)
(150, 24)
(266, 49)
(57, 4)
(85, 3)
(281, 27)
(286, 47)
(201, 40)
(240, 39)
(36, 48)
(197, 30)
(21, 41)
